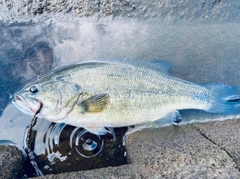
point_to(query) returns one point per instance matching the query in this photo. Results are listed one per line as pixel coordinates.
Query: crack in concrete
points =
(212, 141)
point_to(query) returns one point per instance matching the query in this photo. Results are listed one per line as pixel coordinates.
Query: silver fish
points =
(102, 94)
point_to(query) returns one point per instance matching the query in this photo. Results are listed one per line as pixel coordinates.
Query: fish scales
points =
(145, 98)
(95, 95)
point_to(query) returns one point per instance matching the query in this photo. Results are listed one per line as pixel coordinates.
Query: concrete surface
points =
(169, 10)
(175, 152)
(181, 152)
(225, 135)
(207, 150)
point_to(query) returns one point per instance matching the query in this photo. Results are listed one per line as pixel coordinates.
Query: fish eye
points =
(33, 90)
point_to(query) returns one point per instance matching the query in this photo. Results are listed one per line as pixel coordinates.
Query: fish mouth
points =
(24, 106)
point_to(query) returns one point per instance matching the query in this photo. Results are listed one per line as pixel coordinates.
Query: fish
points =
(101, 95)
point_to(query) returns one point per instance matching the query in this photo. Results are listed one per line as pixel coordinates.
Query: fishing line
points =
(28, 144)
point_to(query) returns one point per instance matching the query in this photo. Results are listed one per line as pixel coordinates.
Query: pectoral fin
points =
(95, 104)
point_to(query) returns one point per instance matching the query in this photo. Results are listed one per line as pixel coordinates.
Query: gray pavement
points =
(225, 135)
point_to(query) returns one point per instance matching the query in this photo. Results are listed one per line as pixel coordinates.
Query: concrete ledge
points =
(173, 152)
(225, 135)
(180, 152)
(167, 10)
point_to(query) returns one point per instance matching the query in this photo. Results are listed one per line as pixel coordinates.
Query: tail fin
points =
(224, 99)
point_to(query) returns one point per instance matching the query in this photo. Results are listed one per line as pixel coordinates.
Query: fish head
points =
(55, 98)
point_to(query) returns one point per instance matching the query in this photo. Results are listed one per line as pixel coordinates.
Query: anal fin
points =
(101, 131)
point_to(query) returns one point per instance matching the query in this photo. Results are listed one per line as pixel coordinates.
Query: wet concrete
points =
(167, 10)
(66, 157)
(176, 152)
(209, 150)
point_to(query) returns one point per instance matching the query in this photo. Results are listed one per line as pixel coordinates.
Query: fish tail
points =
(224, 99)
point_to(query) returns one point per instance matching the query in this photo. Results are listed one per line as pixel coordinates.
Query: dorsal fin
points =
(161, 66)
(158, 65)
(95, 104)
